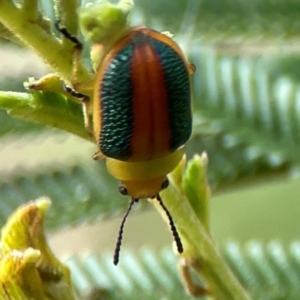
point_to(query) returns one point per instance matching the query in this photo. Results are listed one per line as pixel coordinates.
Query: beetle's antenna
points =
(172, 225)
(120, 235)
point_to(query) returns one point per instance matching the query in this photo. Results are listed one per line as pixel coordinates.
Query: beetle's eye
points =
(123, 190)
(165, 184)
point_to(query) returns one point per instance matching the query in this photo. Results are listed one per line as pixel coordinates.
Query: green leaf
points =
(47, 108)
(28, 268)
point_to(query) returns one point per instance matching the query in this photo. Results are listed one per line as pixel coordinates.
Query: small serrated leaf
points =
(27, 260)
(160, 269)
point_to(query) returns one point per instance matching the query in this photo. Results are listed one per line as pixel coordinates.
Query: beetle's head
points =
(138, 189)
(144, 179)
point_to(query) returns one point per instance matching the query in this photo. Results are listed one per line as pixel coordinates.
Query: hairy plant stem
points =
(33, 36)
(199, 249)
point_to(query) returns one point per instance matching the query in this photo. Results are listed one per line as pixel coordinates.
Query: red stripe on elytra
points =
(151, 135)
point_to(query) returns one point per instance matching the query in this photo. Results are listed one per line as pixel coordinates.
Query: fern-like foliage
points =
(89, 194)
(269, 271)
(250, 118)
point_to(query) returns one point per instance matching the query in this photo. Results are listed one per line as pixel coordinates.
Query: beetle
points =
(142, 114)
(142, 110)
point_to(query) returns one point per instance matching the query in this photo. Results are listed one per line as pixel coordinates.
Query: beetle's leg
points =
(192, 68)
(63, 30)
(77, 48)
(85, 102)
(98, 155)
(84, 99)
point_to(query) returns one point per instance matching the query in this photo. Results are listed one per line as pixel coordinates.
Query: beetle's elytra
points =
(142, 97)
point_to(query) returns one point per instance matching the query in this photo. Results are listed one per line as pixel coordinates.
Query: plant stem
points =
(199, 250)
(30, 7)
(34, 37)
